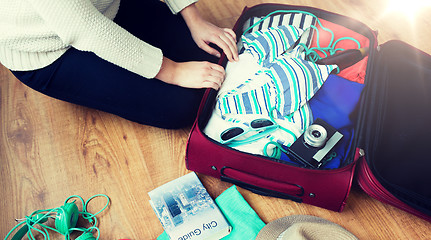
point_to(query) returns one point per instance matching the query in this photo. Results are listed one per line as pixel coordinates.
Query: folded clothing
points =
(245, 223)
(285, 81)
(299, 20)
(335, 103)
(274, 82)
(356, 72)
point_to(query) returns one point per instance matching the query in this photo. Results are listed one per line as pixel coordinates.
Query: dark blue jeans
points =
(85, 79)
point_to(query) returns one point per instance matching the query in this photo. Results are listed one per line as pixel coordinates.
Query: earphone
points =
(65, 221)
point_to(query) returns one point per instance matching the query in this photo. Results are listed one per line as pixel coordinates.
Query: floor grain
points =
(50, 149)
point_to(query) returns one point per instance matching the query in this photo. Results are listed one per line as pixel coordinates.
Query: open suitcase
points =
(388, 148)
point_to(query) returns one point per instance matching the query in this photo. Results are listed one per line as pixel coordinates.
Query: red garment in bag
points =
(356, 72)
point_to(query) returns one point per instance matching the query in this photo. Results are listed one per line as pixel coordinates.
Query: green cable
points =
(85, 214)
(279, 126)
(13, 229)
(30, 222)
(31, 226)
(311, 53)
(94, 196)
(276, 152)
(85, 230)
(74, 196)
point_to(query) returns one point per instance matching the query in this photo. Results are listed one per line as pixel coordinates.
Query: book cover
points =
(187, 211)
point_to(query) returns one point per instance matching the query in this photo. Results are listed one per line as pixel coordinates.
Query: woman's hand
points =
(204, 33)
(191, 74)
(200, 74)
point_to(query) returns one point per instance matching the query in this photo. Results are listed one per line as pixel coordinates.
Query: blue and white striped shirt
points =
(285, 82)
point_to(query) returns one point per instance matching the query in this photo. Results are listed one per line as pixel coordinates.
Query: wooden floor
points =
(50, 149)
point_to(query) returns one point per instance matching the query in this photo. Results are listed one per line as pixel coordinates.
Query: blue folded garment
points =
(335, 103)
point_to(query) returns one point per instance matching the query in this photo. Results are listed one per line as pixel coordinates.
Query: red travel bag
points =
(390, 139)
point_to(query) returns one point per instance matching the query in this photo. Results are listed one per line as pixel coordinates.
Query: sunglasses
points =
(258, 128)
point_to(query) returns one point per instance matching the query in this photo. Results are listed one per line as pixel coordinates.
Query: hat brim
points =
(274, 229)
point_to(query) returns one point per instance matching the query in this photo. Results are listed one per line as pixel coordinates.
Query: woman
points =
(135, 59)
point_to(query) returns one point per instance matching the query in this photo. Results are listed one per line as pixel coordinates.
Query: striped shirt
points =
(285, 82)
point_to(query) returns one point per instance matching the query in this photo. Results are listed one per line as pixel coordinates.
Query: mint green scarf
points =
(245, 223)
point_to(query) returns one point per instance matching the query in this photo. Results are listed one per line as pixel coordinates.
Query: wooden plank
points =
(50, 149)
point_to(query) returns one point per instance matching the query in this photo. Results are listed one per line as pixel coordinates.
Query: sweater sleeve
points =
(79, 24)
(177, 5)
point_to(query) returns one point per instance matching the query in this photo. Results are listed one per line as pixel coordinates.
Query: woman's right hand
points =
(191, 74)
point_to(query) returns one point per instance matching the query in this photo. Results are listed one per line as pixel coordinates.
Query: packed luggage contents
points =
(294, 91)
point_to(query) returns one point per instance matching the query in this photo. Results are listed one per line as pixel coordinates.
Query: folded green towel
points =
(245, 223)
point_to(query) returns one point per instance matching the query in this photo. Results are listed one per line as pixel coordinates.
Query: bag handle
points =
(262, 186)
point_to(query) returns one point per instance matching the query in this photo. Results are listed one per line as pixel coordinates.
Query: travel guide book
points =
(187, 211)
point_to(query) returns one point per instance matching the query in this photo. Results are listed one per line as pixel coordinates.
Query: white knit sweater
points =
(34, 33)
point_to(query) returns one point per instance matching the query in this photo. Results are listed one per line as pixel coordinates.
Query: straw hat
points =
(303, 227)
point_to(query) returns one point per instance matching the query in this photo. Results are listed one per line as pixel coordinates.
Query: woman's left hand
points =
(204, 33)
